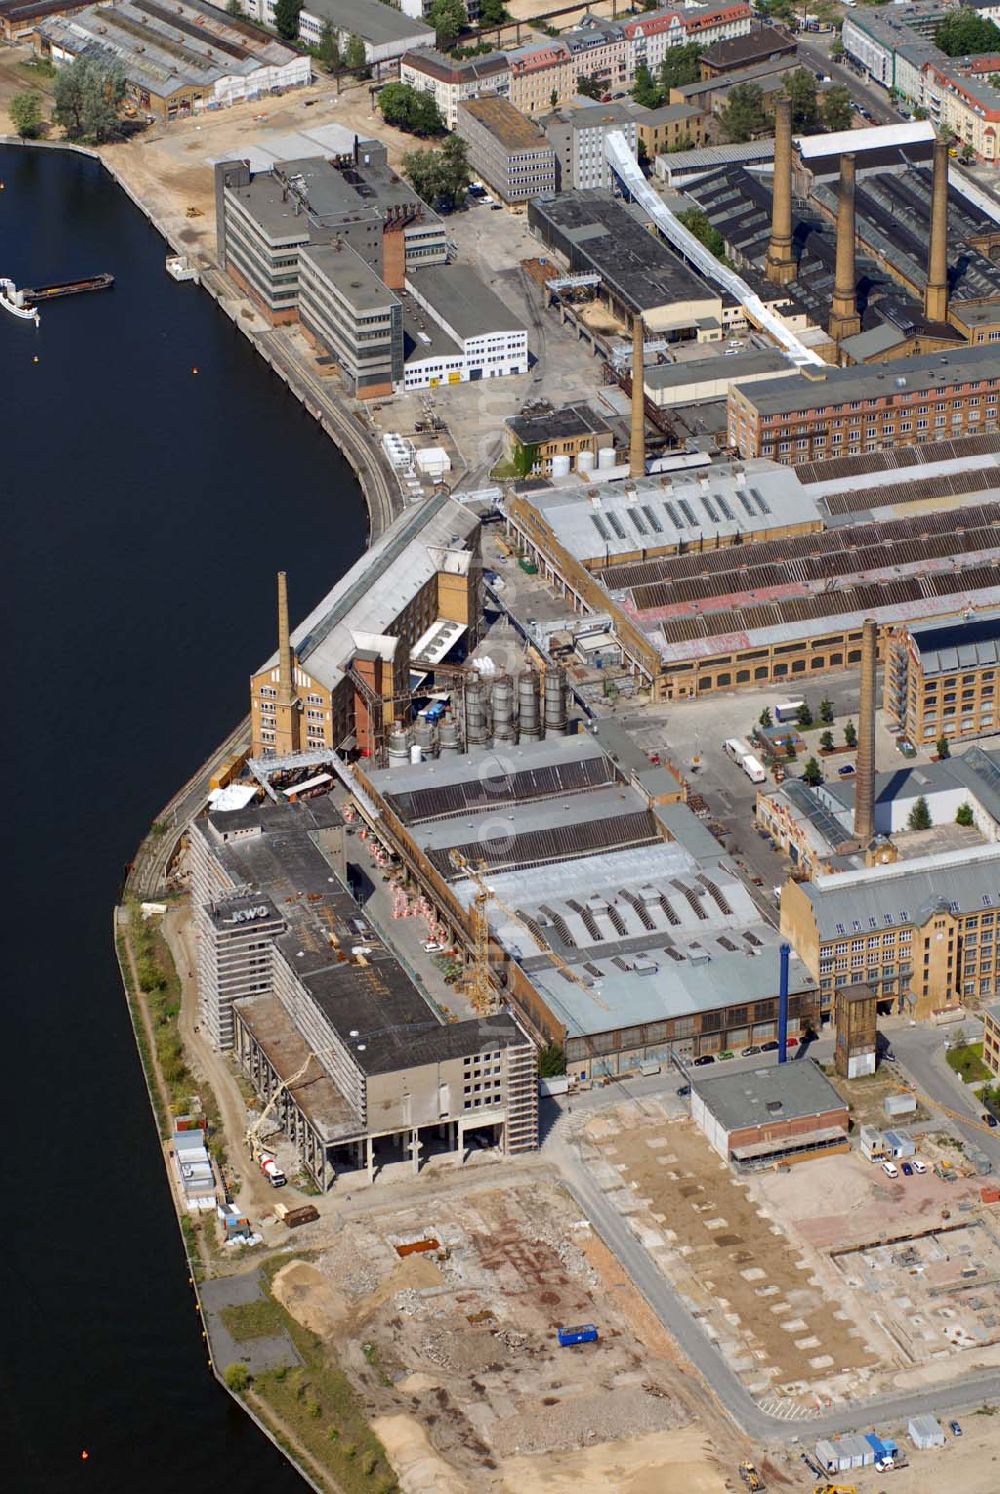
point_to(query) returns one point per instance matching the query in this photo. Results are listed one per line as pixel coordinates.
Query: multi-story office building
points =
(263, 219)
(922, 933)
(577, 137)
(507, 150)
(345, 305)
(453, 81)
(941, 679)
(324, 1020)
(847, 411)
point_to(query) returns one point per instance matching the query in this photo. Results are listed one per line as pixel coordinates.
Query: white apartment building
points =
(454, 82)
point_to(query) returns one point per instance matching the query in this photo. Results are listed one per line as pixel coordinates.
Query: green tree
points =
(234, 8)
(683, 142)
(790, 752)
(826, 711)
(449, 19)
(355, 56)
(26, 114)
(553, 98)
(647, 93)
(439, 176)
(590, 88)
(812, 773)
(328, 50)
(920, 816)
(836, 49)
(963, 815)
(681, 65)
(743, 117)
(943, 747)
(826, 740)
(237, 1377)
(836, 108)
(410, 109)
(963, 32)
(493, 13)
(765, 718)
(551, 1062)
(88, 96)
(286, 18)
(805, 716)
(850, 734)
(700, 225)
(800, 87)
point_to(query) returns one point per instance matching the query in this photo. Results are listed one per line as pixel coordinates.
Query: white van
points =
(917, 1165)
(890, 1169)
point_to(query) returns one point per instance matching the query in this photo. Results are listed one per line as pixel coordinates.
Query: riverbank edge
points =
(159, 1104)
(378, 485)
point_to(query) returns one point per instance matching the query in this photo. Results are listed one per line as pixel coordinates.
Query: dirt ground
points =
(454, 1348)
(771, 1315)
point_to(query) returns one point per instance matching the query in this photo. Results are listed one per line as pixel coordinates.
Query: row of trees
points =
(744, 115)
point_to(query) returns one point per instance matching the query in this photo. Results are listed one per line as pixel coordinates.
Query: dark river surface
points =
(145, 511)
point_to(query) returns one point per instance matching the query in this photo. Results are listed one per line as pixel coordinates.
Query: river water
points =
(145, 510)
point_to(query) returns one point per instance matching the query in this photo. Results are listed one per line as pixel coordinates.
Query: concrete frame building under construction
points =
(329, 1028)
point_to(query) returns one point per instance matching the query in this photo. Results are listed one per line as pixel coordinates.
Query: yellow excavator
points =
(750, 1476)
(836, 1489)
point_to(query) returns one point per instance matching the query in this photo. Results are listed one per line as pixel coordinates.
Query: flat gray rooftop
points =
(694, 370)
(373, 21)
(356, 281)
(908, 892)
(788, 1091)
(462, 300)
(835, 385)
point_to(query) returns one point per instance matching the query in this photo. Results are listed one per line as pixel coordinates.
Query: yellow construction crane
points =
(254, 1133)
(480, 982)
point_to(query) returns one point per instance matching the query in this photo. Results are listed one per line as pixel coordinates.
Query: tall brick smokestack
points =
(637, 445)
(844, 318)
(285, 691)
(936, 294)
(864, 781)
(780, 266)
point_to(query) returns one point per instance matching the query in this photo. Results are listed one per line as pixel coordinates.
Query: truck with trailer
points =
(788, 710)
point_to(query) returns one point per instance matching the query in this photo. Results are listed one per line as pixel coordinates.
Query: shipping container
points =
(585, 1334)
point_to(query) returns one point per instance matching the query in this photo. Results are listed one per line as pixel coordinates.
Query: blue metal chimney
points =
(784, 954)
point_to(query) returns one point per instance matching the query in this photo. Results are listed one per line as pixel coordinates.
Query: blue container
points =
(585, 1334)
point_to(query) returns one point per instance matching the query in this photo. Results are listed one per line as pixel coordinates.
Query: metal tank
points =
(560, 465)
(476, 730)
(415, 753)
(555, 702)
(398, 745)
(606, 458)
(529, 724)
(449, 741)
(425, 737)
(585, 461)
(503, 709)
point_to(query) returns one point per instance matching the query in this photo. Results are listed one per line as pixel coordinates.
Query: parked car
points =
(792, 1042)
(907, 1169)
(847, 771)
(919, 1166)
(749, 1052)
(955, 1428)
(890, 1169)
(704, 1059)
(432, 947)
(990, 1120)
(683, 1091)
(769, 1047)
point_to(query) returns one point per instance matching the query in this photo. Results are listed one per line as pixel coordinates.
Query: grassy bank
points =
(314, 1402)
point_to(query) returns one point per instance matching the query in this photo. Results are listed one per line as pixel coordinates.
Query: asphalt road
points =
(869, 95)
